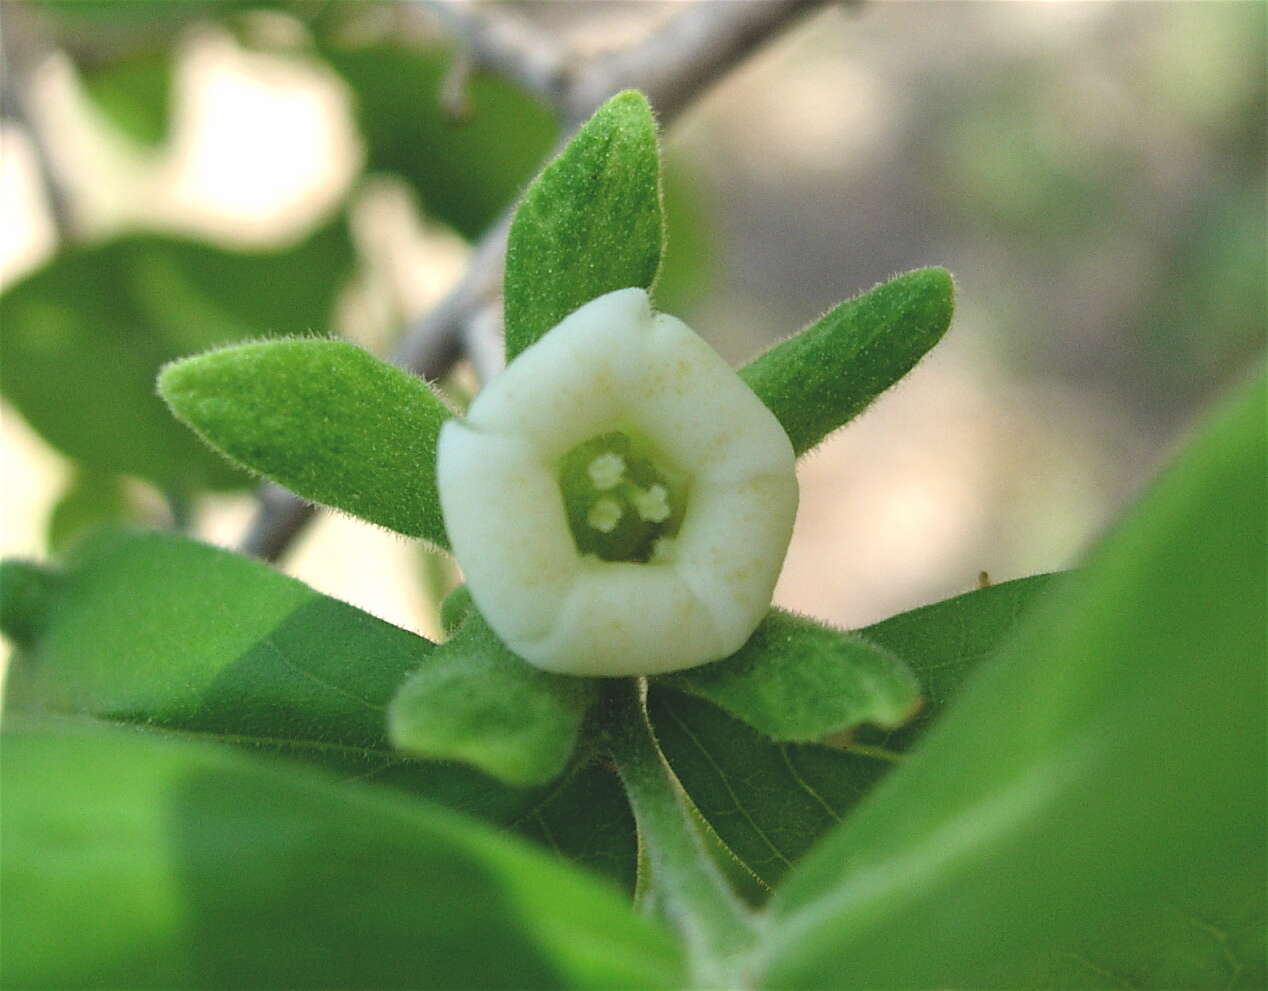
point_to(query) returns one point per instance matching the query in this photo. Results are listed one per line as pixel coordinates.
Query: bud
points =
(619, 500)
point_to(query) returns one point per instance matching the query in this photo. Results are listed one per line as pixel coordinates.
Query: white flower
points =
(619, 500)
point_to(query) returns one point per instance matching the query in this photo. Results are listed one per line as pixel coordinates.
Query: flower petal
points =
(505, 518)
(701, 414)
(575, 381)
(731, 547)
(627, 619)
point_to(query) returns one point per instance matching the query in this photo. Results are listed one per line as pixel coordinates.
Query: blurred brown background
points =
(1093, 174)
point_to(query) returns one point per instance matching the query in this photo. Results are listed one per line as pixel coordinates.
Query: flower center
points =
(623, 503)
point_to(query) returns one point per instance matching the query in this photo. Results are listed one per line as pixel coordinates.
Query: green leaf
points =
(465, 171)
(324, 418)
(163, 632)
(1109, 758)
(770, 802)
(1210, 937)
(589, 224)
(943, 644)
(767, 801)
(27, 590)
(85, 335)
(586, 818)
(91, 500)
(799, 680)
(477, 702)
(688, 254)
(153, 863)
(134, 94)
(823, 377)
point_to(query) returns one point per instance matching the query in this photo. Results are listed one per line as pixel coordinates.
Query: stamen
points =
(652, 504)
(604, 515)
(607, 470)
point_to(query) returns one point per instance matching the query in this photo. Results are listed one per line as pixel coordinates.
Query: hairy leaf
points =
(799, 680)
(466, 171)
(823, 377)
(324, 418)
(589, 224)
(1109, 758)
(85, 335)
(767, 801)
(154, 863)
(477, 702)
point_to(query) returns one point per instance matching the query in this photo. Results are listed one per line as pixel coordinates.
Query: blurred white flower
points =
(619, 500)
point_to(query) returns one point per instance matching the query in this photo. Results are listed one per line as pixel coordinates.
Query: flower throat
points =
(623, 504)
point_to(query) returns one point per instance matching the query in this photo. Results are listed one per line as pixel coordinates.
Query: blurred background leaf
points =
(173, 863)
(86, 334)
(466, 172)
(135, 94)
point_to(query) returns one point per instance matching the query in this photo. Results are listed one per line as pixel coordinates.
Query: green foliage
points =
(584, 816)
(133, 13)
(90, 500)
(823, 377)
(767, 801)
(1210, 936)
(134, 94)
(85, 335)
(475, 701)
(26, 592)
(944, 643)
(799, 680)
(454, 610)
(589, 224)
(771, 801)
(166, 864)
(326, 419)
(466, 172)
(1109, 758)
(162, 632)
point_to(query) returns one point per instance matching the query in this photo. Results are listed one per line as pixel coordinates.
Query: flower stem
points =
(718, 929)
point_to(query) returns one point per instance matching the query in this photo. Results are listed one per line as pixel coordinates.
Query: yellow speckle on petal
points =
(653, 504)
(604, 515)
(606, 471)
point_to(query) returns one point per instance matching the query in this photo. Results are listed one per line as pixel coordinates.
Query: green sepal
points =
(589, 224)
(820, 379)
(1109, 758)
(474, 701)
(134, 860)
(798, 680)
(324, 418)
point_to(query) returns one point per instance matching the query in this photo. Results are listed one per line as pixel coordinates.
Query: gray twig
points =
(24, 48)
(673, 65)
